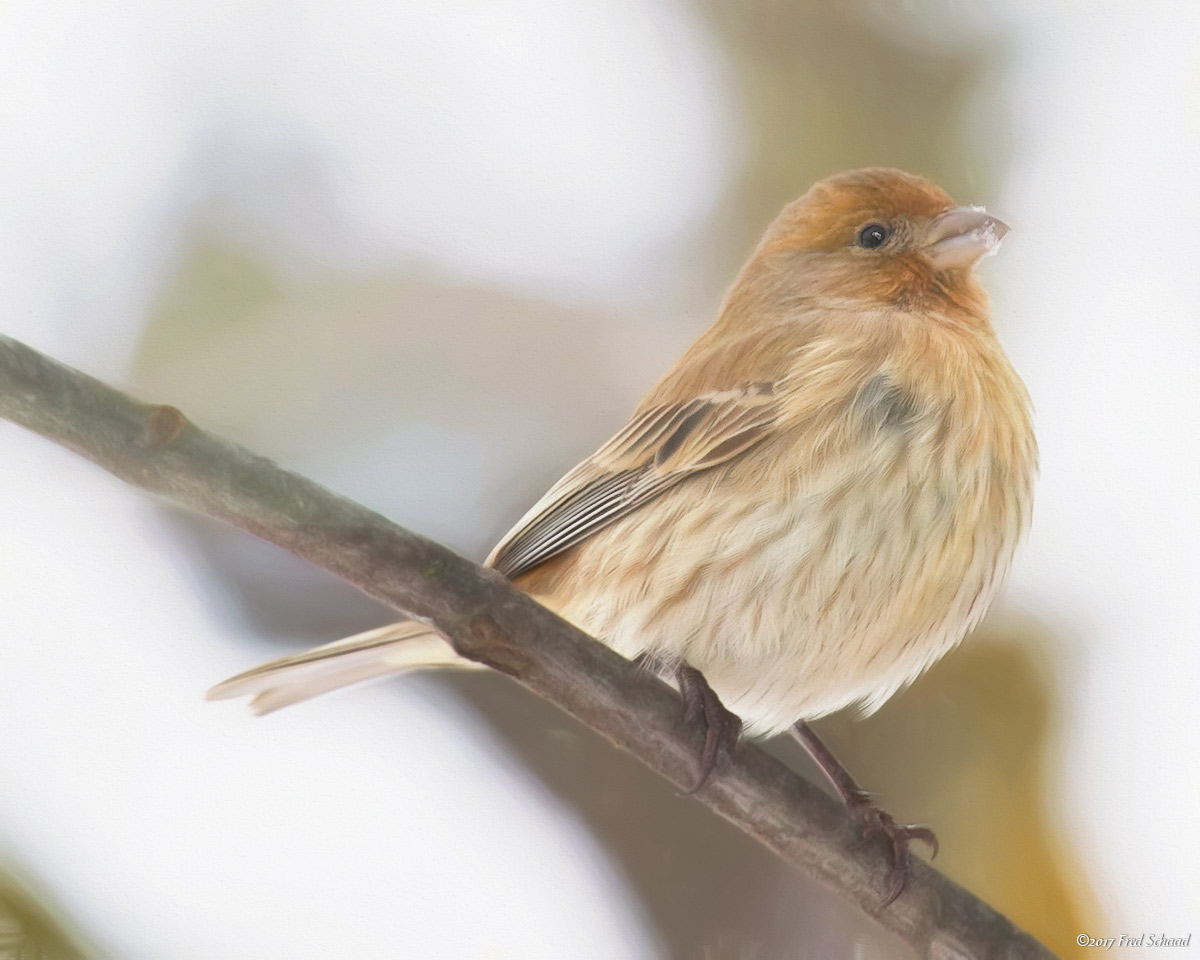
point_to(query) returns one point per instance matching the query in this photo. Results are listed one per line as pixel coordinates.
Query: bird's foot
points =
(875, 820)
(720, 725)
(872, 819)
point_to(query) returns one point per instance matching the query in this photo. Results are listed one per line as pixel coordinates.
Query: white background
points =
(564, 154)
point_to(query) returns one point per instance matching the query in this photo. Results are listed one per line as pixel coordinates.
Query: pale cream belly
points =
(792, 609)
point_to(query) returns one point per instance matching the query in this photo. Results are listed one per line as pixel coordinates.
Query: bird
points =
(814, 504)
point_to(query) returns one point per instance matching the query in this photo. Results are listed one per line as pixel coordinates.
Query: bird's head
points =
(882, 236)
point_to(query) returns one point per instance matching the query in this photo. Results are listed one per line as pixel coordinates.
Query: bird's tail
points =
(396, 648)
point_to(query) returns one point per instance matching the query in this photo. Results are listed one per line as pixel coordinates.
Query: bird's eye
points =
(873, 236)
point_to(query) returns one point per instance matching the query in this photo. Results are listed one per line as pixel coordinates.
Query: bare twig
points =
(485, 618)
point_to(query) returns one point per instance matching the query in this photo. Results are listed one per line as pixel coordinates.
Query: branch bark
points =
(157, 449)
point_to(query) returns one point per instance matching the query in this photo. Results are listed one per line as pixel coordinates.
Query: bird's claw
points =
(875, 820)
(720, 725)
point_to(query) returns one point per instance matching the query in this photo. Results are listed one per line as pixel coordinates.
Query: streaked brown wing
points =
(652, 453)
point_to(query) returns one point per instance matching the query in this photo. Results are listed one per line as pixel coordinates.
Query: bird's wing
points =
(657, 448)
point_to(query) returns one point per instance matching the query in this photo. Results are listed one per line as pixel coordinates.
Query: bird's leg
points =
(720, 725)
(873, 819)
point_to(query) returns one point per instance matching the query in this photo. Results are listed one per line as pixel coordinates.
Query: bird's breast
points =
(831, 567)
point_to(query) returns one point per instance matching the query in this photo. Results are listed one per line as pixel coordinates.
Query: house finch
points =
(813, 505)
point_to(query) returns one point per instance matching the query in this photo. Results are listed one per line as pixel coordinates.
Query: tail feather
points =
(396, 648)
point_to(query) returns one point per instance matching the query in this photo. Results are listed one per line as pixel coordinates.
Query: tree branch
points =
(488, 620)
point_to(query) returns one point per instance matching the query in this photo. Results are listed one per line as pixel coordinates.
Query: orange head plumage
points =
(881, 236)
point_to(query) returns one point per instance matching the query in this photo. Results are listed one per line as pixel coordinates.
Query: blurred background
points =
(430, 255)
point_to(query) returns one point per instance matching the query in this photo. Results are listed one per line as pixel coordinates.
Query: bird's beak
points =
(959, 237)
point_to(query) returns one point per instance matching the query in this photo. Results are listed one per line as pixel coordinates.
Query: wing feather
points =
(656, 450)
